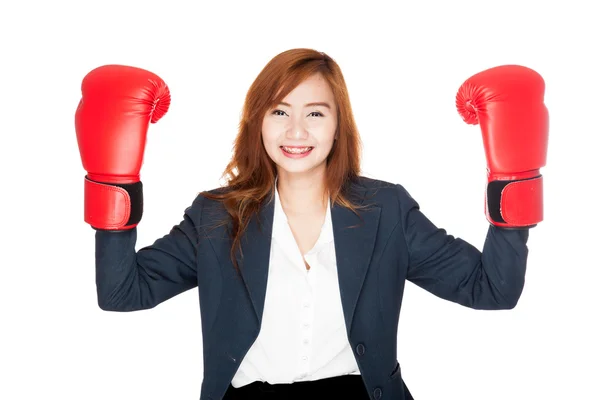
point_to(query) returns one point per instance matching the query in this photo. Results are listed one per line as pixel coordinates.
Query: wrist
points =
(113, 179)
(515, 200)
(112, 206)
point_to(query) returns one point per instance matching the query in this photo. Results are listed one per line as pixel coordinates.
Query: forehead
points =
(315, 88)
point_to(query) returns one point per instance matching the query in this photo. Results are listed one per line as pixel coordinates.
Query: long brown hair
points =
(251, 173)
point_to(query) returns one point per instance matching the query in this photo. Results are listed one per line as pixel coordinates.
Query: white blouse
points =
(303, 332)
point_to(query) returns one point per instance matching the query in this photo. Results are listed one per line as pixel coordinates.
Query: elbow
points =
(495, 305)
(125, 302)
(118, 307)
(511, 304)
(120, 298)
(107, 304)
(505, 294)
(509, 300)
(496, 300)
(106, 300)
(512, 297)
(514, 300)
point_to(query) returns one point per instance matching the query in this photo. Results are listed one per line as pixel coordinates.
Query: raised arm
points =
(117, 105)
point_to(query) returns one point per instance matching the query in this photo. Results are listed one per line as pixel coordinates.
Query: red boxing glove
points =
(508, 104)
(117, 105)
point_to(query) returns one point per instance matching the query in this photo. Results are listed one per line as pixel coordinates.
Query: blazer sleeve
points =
(127, 280)
(454, 270)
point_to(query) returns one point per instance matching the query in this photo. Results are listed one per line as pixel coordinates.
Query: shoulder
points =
(384, 191)
(204, 200)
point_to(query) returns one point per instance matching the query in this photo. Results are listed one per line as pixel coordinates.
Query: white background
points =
(403, 62)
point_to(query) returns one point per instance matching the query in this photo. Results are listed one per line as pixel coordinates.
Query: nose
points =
(296, 130)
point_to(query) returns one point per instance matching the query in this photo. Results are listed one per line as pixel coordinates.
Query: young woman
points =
(300, 262)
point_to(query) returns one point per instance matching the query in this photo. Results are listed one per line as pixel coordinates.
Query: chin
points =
(298, 169)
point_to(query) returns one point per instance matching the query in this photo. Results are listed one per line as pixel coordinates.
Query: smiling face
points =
(306, 119)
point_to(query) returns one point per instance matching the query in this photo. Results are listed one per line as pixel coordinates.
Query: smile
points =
(296, 150)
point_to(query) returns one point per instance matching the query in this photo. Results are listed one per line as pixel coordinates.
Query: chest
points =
(306, 231)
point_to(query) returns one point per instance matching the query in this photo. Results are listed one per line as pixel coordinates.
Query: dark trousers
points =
(349, 387)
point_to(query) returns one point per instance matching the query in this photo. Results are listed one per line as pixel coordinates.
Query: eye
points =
(278, 112)
(318, 113)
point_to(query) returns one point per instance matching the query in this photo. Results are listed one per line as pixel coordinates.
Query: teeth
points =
(295, 150)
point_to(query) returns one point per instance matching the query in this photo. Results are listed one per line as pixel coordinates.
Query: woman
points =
(299, 261)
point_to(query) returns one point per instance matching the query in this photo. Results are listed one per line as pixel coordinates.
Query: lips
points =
(296, 149)
(298, 154)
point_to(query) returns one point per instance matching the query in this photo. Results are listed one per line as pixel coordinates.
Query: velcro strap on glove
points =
(517, 203)
(113, 206)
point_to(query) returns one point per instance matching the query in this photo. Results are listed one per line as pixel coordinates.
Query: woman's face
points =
(306, 118)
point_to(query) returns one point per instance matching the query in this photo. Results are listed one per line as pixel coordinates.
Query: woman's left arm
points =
(455, 270)
(507, 102)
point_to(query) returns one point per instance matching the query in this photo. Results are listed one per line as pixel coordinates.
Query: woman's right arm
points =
(117, 105)
(127, 280)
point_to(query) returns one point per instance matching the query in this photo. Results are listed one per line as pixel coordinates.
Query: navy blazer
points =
(390, 243)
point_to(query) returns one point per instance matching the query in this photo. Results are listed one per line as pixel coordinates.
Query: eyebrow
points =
(316, 104)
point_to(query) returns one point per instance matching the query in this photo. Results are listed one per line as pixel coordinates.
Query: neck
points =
(302, 195)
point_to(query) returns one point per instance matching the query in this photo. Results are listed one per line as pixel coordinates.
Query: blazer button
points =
(377, 393)
(360, 349)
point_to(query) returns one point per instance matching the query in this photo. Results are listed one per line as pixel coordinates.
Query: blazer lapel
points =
(354, 243)
(256, 252)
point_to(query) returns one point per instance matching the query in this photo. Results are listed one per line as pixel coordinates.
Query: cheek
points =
(327, 131)
(267, 132)
(269, 138)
